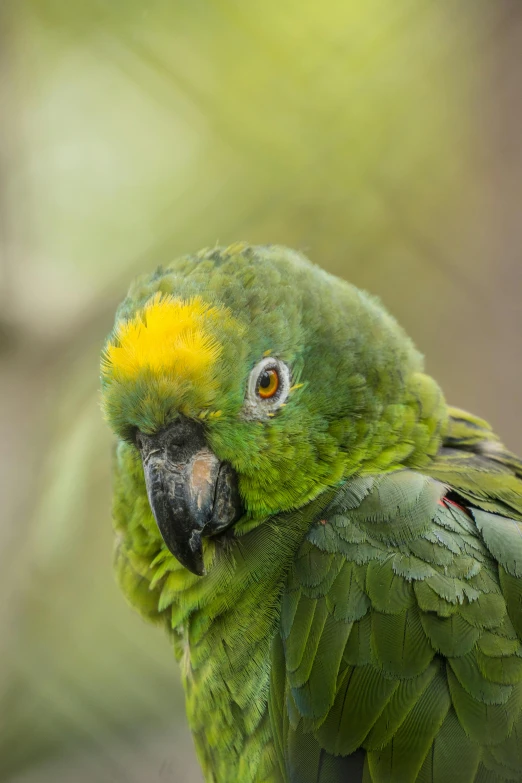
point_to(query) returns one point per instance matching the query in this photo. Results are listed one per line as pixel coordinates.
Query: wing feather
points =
(401, 633)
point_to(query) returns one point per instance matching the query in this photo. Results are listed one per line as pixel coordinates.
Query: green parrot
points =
(336, 553)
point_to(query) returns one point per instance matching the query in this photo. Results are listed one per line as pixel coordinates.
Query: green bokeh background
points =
(382, 138)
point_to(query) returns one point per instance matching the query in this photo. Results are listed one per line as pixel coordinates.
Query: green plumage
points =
(363, 619)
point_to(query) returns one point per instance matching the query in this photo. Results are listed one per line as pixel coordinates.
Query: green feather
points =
(401, 759)
(487, 612)
(486, 579)
(400, 508)
(452, 757)
(303, 758)
(410, 567)
(358, 650)
(345, 599)
(486, 724)
(506, 669)
(308, 762)
(484, 775)
(452, 590)
(289, 604)
(323, 588)
(315, 693)
(312, 565)
(498, 768)
(451, 636)
(431, 551)
(397, 708)
(325, 537)
(276, 702)
(509, 752)
(360, 700)
(503, 538)
(512, 592)
(430, 601)
(350, 495)
(387, 591)
(297, 640)
(347, 530)
(443, 538)
(474, 682)
(496, 645)
(399, 643)
(300, 654)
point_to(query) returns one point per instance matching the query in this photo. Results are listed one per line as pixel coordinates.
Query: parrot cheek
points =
(191, 493)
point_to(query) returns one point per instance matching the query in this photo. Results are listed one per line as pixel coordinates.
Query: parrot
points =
(334, 551)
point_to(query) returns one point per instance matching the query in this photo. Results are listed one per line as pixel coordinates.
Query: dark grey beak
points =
(191, 493)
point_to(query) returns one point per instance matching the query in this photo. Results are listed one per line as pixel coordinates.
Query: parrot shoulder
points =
(399, 656)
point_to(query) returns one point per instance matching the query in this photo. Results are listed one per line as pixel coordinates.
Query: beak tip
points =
(191, 560)
(196, 568)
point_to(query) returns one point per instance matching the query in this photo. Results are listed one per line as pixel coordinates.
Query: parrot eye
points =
(268, 383)
(268, 386)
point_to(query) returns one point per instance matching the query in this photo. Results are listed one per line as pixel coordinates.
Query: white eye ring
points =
(255, 405)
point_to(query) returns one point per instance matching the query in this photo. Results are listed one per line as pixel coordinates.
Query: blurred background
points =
(382, 138)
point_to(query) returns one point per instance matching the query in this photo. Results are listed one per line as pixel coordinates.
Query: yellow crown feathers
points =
(168, 336)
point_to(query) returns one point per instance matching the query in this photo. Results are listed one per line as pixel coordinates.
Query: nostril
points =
(176, 438)
(182, 433)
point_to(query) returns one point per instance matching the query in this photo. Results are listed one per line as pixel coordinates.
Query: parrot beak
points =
(191, 493)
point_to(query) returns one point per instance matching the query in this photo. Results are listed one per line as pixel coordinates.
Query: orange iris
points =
(268, 384)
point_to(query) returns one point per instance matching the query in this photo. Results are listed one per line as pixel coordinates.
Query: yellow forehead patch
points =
(167, 336)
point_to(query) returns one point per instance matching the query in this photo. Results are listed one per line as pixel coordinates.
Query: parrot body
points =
(335, 553)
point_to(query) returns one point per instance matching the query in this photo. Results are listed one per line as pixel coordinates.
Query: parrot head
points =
(245, 381)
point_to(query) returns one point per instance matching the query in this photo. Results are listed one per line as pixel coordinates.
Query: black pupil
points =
(264, 381)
